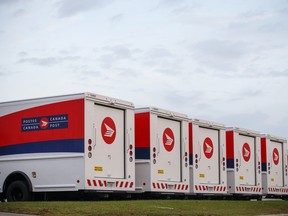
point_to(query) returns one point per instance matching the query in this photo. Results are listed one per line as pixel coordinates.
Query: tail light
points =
(89, 148)
(131, 153)
(154, 155)
(186, 159)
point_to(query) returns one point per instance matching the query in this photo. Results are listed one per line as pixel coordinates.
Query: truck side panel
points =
(46, 143)
(57, 127)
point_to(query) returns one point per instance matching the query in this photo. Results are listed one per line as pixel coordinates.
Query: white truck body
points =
(161, 139)
(208, 174)
(68, 143)
(274, 165)
(243, 161)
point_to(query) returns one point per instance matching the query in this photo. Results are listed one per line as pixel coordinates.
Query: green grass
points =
(148, 207)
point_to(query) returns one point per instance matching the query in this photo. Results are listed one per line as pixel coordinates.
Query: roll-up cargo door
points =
(275, 160)
(169, 144)
(109, 146)
(246, 154)
(209, 156)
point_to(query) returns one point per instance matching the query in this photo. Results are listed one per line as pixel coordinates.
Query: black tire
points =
(259, 198)
(1, 197)
(18, 191)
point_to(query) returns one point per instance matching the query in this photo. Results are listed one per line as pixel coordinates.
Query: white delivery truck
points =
(274, 166)
(207, 157)
(161, 140)
(78, 142)
(243, 162)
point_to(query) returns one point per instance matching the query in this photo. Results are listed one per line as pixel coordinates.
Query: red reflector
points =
(130, 147)
(89, 141)
(130, 153)
(196, 161)
(154, 149)
(89, 148)
(186, 159)
(154, 155)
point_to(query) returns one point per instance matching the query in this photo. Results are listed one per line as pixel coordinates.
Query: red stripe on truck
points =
(142, 130)
(263, 150)
(11, 125)
(230, 144)
(190, 139)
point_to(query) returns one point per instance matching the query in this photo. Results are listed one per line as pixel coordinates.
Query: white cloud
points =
(48, 61)
(68, 8)
(111, 55)
(219, 60)
(19, 13)
(179, 6)
(221, 49)
(222, 55)
(8, 2)
(275, 73)
(251, 120)
(116, 18)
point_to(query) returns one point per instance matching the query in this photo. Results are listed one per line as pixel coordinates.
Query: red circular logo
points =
(44, 123)
(208, 147)
(108, 130)
(246, 152)
(275, 156)
(168, 139)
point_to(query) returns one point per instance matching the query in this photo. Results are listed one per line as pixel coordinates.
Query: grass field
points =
(148, 207)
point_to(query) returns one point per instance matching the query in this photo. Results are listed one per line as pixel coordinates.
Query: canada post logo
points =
(45, 123)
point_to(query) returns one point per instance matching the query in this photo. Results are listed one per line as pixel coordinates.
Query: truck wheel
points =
(259, 198)
(18, 191)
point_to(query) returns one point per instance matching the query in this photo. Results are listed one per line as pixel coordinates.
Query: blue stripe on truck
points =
(142, 153)
(71, 145)
(230, 163)
(264, 167)
(190, 159)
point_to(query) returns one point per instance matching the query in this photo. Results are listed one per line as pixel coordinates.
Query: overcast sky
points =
(219, 60)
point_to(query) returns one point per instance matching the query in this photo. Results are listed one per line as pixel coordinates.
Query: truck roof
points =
(17, 105)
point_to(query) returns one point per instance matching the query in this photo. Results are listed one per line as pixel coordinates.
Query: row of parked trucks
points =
(92, 143)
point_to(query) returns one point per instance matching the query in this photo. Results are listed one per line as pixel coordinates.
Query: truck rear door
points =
(169, 141)
(246, 156)
(208, 156)
(109, 142)
(275, 159)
